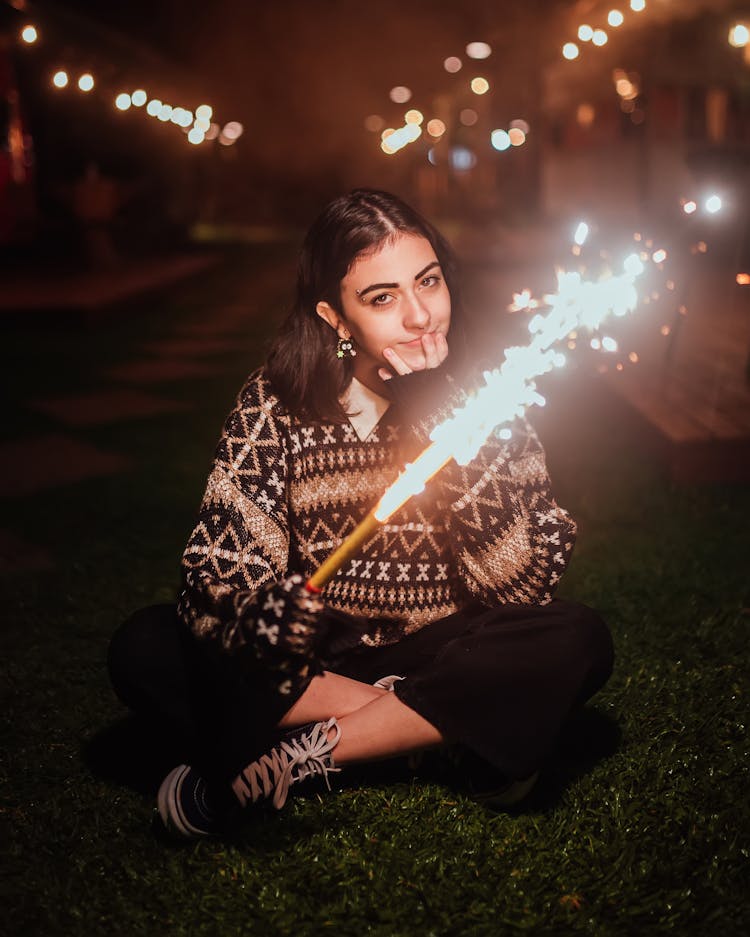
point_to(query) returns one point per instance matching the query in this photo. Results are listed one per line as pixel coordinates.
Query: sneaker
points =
(507, 794)
(185, 808)
(301, 754)
(387, 683)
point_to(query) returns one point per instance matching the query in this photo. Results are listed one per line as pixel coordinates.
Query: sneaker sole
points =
(168, 804)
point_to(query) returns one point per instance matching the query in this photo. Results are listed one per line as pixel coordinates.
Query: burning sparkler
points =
(505, 395)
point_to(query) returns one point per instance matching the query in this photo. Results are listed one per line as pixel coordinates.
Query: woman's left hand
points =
(434, 350)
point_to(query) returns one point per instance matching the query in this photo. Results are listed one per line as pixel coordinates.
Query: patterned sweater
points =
(283, 493)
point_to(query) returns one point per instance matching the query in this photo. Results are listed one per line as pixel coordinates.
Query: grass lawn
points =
(640, 824)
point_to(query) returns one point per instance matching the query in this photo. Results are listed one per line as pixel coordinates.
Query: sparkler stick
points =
(506, 393)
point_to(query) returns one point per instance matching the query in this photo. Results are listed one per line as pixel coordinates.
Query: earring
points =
(345, 347)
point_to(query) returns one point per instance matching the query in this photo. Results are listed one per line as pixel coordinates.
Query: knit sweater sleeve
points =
(510, 540)
(241, 539)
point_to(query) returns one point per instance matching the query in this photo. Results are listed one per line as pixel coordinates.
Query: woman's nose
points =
(417, 315)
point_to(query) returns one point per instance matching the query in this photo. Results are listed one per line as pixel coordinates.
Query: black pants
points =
(501, 681)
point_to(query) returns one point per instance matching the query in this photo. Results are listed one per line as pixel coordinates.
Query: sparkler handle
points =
(361, 533)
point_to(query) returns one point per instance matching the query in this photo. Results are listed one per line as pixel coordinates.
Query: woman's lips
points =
(415, 342)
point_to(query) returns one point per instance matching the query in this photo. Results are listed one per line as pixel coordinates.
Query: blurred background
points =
(138, 139)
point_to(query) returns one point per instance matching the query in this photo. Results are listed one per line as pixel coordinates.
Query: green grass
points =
(639, 825)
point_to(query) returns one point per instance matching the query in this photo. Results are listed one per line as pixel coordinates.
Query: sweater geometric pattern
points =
(284, 493)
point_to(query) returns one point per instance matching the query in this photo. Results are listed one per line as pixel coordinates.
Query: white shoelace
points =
(289, 762)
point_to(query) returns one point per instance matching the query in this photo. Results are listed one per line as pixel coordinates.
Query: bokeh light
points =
(60, 79)
(29, 34)
(468, 117)
(585, 114)
(570, 51)
(123, 102)
(520, 124)
(480, 85)
(585, 32)
(713, 204)
(232, 130)
(637, 5)
(452, 64)
(165, 112)
(739, 35)
(139, 97)
(516, 136)
(435, 127)
(204, 112)
(599, 38)
(462, 159)
(374, 123)
(196, 136)
(400, 94)
(478, 50)
(413, 116)
(615, 18)
(86, 82)
(500, 139)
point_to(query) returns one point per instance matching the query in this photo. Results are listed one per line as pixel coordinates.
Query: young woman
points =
(441, 630)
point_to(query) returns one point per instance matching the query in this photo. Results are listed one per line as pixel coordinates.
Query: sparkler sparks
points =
(506, 393)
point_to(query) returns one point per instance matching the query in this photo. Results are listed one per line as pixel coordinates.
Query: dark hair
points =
(302, 365)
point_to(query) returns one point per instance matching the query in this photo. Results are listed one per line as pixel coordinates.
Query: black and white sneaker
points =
(188, 811)
(301, 754)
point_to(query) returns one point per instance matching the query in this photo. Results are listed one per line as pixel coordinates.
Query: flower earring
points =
(345, 347)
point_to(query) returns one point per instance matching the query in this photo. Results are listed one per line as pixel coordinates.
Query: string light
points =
(570, 51)
(29, 34)
(60, 79)
(600, 37)
(139, 98)
(480, 85)
(585, 33)
(615, 18)
(86, 82)
(123, 101)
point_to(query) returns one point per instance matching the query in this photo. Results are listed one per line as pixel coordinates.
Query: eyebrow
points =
(393, 286)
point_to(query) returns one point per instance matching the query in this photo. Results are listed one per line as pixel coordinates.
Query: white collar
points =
(365, 406)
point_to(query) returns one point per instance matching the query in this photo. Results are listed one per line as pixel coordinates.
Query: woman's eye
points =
(381, 299)
(431, 280)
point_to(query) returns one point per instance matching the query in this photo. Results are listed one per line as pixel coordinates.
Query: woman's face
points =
(393, 300)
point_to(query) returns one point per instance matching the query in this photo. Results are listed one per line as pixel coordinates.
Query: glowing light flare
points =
(581, 233)
(739, 36)
(29, 34)
(86, 82)
(60, 79)
(232, 131)
(690, 207)
(570, 51)
(659, 256)
(400, 94)
(637, 6)
(713, 204)
(615, 18)
(523, 301)
(139, 97)
(480, 85)
(600, 38)
(123, 102)
(585, 33)
(743, 279)
(609, 344)
(478, 50)
(585, 115)
(500, 140)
